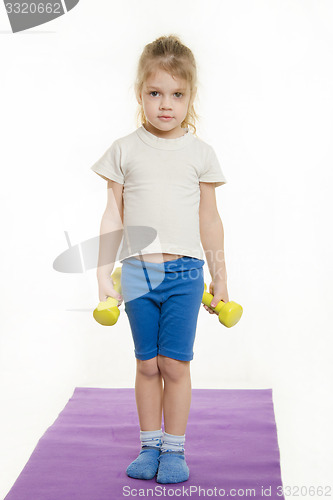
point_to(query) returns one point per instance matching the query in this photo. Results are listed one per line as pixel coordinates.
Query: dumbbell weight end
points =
(229, 312)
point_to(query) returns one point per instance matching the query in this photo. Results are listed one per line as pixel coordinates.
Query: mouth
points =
(165, 118)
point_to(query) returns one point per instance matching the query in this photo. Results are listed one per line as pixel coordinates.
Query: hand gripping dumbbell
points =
(229, 312)
(107, 312)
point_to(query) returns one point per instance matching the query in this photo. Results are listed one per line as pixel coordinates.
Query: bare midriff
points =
(158, 258)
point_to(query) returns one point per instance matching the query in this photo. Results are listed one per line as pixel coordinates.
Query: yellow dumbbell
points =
(107, 312)
(229, 312)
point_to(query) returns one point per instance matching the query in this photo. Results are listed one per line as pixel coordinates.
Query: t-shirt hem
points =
(179, 251)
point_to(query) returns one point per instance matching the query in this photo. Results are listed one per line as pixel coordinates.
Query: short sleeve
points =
(212, 171)
(109, 165)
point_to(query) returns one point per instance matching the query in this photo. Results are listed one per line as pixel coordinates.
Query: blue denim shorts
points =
(162, 302)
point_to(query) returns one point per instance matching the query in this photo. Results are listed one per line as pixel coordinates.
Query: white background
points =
(265, 99)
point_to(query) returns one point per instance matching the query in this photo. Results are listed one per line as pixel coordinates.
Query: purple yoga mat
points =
(231, 448)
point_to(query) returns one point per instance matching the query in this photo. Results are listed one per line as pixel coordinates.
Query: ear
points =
(193, 94)
(139, 98)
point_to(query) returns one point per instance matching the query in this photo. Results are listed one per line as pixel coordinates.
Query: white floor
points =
(303, 422)
(45, 354)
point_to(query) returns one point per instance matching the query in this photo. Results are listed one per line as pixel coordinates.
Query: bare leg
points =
(149, 394)
(177, 394)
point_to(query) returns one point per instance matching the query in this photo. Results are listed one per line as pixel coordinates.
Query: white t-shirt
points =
(161, 190)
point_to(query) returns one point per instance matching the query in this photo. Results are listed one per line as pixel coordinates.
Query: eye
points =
(153, 92)
(178, 94)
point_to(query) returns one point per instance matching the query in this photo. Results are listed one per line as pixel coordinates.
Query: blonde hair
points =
(171, 55)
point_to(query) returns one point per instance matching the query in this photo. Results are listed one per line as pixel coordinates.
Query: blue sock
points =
(173, 443)
(146, 464)
(172, 465)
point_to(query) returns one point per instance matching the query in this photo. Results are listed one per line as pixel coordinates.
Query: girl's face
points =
(165, 100)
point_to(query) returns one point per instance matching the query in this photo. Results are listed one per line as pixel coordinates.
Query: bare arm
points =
(212, 239)
(110, 237)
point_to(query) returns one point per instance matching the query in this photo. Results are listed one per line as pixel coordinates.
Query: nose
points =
(165, 103)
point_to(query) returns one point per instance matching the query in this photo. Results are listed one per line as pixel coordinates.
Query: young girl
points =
(161, 192)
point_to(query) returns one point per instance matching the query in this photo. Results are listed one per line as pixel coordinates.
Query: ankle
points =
(151, 439)
(173, 443)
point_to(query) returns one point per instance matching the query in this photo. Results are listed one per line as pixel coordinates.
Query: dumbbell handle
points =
(207, 298)
(229, 312)
(111, 301)
(107, 311)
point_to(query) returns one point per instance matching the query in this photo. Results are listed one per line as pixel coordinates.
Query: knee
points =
(148, 367)
(173, 369)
